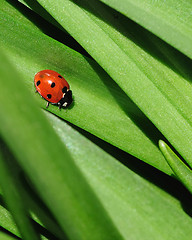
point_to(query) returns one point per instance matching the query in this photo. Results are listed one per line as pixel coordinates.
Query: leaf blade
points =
(133, 201)
(181, 170)
(170, 20)
(156, 103)
(96, 96)
(35, 153)
(13, 197)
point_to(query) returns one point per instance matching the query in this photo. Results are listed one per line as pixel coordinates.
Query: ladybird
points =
(53, 88)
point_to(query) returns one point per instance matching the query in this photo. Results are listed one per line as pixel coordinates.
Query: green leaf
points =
(100, 106)
(12, 195)
(160, 92)
(149, 206)
(6, 220)
(181, 170)
(170, 20)
(29, 201)
(37, 208)
(40, 213)
(6, 236)
(47, 162)
(137, 206)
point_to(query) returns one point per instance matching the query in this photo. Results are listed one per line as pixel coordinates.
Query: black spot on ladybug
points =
(38, 82)
(64, 90)
(60, 76)
(52, 84)
(49, 96)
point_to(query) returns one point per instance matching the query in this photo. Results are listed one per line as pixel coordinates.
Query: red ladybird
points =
(53, 88)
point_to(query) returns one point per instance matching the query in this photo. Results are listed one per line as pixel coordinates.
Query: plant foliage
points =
(102, 168)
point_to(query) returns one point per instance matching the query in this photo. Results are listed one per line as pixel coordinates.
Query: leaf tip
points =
(162, 144)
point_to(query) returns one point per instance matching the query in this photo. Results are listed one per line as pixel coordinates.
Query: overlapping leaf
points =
(48, 164)
(100, 106)
(170, 20)
(131, 206)
(162, 94)
(137, 207)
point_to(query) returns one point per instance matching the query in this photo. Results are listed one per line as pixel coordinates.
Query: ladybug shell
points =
(50, 85)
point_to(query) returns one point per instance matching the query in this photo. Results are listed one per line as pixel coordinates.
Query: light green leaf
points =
(47, 162)
(181, 170)
(138, 207)
(100, 106)
(161, 93)
(5, 236)
(170, 20)
(6, 221)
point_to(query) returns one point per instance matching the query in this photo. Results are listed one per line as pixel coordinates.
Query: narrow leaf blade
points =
(181, 170)
(170, 20)
(13, 196)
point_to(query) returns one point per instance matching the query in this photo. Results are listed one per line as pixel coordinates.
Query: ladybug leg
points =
(36, 91)
(59, 104)
(47, 105)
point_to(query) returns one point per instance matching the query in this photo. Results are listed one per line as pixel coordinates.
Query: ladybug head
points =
(66, 100)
